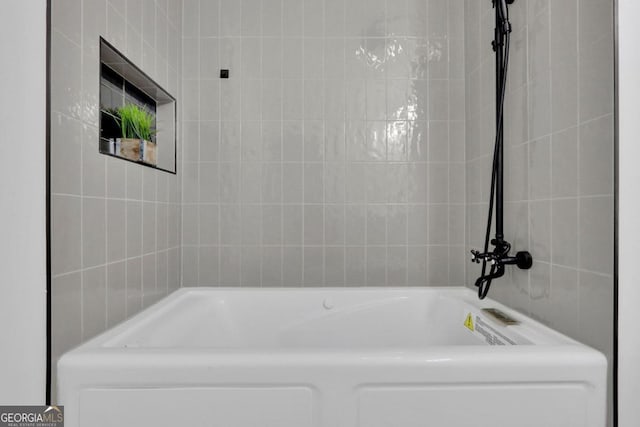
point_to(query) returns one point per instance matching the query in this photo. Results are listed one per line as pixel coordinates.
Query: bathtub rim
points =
(98, 343)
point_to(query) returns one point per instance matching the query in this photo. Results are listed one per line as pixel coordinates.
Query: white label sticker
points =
(489, 334)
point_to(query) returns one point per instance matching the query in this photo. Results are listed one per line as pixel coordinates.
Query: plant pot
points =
(130, 149)
(149, 153)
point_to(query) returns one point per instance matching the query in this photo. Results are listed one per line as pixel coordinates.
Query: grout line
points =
(142, 222)
(110, 263)
(448, 143)
(282, 225)
(386, 146)
(219, 136)
(324, 149)
(239, 276)
(578, 152)
(344, 147)
(261, 251)
(199, 138)
(465, 237)
(106, 251)
(303, 160)
(82, 225)
(428, 83)
(126, 246)
(550, 158)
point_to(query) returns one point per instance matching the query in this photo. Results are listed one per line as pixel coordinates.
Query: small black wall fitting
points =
(499, 257)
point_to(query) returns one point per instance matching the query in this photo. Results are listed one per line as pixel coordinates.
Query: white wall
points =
(22, 201)
(629, 213)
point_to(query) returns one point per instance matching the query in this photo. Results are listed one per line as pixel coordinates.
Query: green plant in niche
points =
(135, 122)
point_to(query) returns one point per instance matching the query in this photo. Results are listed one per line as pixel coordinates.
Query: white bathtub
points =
(330, 358)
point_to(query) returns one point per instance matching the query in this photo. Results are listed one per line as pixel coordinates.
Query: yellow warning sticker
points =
(469, 322)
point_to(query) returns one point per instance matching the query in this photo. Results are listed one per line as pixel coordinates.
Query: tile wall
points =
(334, 154)
(350, 146)
(559, 180)
(115, 225)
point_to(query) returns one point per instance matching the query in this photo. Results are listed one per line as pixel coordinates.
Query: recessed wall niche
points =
(137, 116)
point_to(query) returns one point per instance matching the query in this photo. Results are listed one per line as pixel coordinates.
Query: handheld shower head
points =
(503, 12)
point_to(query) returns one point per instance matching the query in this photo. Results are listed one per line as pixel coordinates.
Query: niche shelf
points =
(123, 83)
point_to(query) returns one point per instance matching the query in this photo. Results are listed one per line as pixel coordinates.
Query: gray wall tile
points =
(561, 108)
(97, 201)
(329, 154)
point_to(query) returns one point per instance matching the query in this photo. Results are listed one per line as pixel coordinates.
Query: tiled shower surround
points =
(115, 225)
(334, 153)
(559, 183)
(350, 146)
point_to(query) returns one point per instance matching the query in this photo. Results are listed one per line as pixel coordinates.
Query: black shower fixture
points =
(499, 257)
